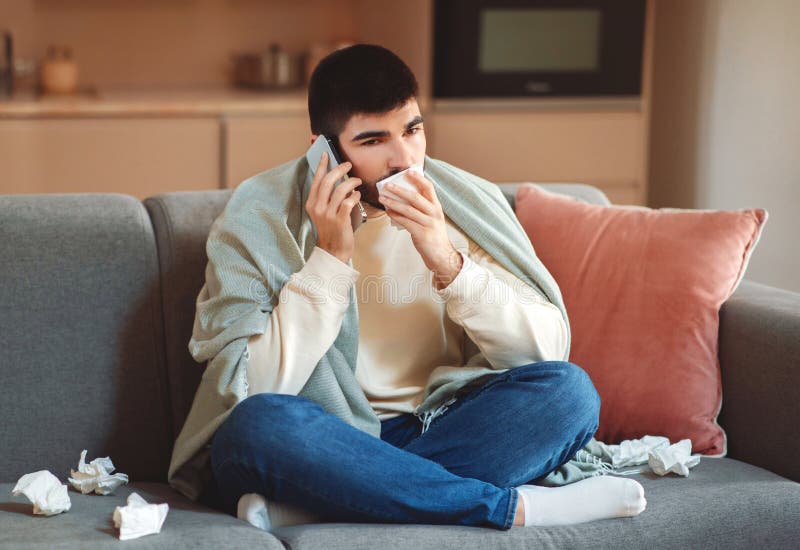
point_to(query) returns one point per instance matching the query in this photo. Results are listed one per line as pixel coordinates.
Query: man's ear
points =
(314, 138)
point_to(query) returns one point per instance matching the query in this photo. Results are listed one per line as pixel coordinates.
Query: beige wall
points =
(122, 43)
(409, 33)
(726, 118)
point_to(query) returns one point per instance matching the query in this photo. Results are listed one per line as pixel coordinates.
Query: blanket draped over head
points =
(264, 236)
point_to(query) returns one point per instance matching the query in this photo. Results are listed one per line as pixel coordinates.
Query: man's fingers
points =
(423, 185)
(343, 189)
(406, 210)
(348, 204)
(416, 200)
(326, 185)
(411, 225)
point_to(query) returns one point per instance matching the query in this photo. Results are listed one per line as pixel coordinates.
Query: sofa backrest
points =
(579, 191)
(81, 338)
(182, 221)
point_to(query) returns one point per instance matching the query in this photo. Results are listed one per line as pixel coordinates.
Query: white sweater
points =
(407, 328)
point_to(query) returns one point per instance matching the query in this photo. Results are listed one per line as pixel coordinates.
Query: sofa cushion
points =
(81, 336)
(643, 289)
(182, 221)
(723, 503)
(88, 523)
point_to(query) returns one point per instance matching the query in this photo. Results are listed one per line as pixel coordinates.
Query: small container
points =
(58, 73)
(271, 69)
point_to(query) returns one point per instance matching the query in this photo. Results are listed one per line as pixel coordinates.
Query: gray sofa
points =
(96, 309)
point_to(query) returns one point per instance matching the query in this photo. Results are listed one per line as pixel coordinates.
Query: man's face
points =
(379, 145)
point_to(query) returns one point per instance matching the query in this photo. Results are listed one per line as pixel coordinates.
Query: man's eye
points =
(414, 130)
(369, 142)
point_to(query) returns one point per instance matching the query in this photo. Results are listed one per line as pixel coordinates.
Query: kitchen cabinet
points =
(136, 156)
(144, 156)
(253, 144)
(605, 149)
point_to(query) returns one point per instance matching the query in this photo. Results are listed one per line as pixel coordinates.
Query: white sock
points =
(598, 497)
(259, 512)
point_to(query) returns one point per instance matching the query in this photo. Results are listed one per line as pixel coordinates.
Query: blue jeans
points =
(515, 428)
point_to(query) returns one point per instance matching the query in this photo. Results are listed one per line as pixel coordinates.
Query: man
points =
(313, 410)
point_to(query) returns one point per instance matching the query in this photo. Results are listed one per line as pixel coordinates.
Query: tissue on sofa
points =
(45, 491)
(139, 518)
(676, 458)
(96, 476)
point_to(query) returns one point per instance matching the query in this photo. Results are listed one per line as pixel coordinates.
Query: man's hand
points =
(424, 219)
(329, 208)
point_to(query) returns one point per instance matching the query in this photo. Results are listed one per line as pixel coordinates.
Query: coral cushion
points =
(643, 288)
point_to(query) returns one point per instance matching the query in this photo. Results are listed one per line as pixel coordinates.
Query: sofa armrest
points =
(759, 352)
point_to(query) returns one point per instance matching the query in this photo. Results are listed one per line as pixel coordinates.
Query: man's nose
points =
(402, 155)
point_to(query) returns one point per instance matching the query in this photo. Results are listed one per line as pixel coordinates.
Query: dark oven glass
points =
(537, 47)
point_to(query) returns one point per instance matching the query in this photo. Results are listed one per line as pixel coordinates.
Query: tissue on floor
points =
(676, 458)
(139, 518)
(96, 476)
(45, 491)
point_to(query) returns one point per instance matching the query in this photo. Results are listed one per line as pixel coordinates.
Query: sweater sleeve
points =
(301, 327)
(509, 322)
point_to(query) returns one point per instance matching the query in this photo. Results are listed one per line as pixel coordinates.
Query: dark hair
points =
(363, 78)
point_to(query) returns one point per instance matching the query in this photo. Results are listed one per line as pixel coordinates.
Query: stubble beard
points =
(369, 195)
(369, 191)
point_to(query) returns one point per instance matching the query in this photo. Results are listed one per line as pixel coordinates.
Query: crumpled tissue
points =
(45, 491)
(632, 452)
(96, 476)
(655, 451)
(139, 518)
(676, 458)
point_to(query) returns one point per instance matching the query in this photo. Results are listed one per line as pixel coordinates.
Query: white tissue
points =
(646, 452)
(139, 518)
(45, 491)
(636, 451)
(401, 180)
(676, 458)
(96, 476)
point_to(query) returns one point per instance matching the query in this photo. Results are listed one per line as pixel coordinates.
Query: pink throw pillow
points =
(643, 288)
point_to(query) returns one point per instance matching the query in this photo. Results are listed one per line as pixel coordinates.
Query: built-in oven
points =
(522, 48)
